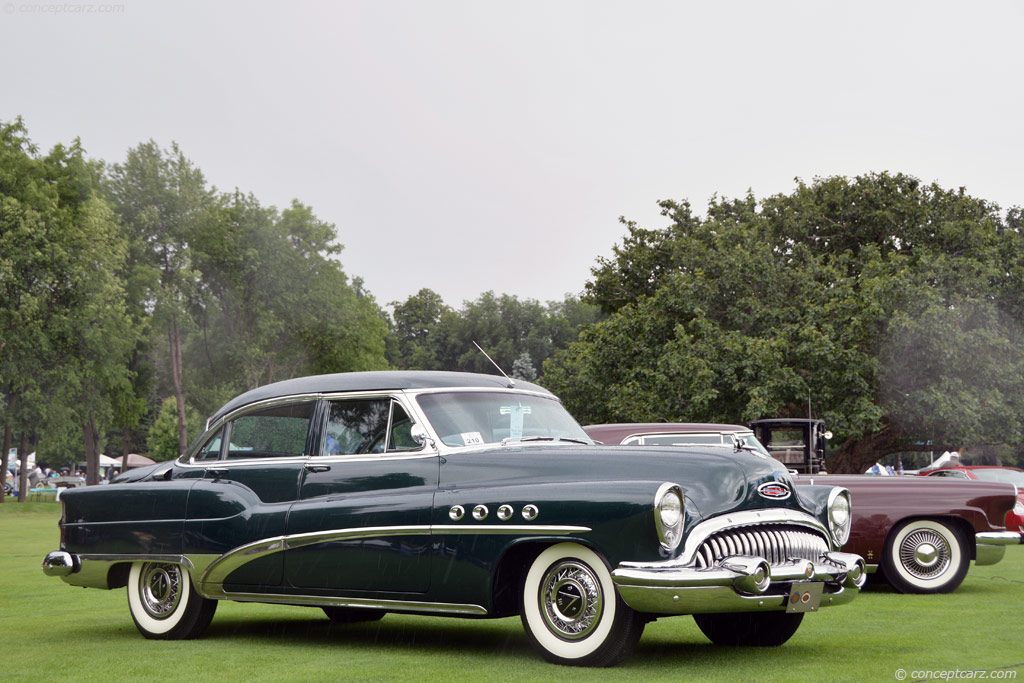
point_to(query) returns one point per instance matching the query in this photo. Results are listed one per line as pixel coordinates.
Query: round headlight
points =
(1018, 509)
(840, 514)
(668, 515)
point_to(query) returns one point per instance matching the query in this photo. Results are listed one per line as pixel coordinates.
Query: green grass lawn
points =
(50, 630)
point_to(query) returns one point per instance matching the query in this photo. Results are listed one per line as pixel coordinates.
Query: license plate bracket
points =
(805, 596)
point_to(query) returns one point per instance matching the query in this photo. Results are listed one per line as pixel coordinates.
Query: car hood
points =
(715, 480)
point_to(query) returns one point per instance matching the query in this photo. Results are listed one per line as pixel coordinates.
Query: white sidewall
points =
(955, 553)
(142, 617)
(531, 602)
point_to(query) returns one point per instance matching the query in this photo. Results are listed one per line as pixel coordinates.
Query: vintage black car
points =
(461, 495)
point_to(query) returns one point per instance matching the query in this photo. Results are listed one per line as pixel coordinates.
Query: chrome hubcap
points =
(160, 589)
(925, 554)
(571, 600)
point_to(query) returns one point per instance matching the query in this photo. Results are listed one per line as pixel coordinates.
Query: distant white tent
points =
(136, 460)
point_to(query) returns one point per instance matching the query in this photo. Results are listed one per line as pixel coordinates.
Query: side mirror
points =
(827, 435)
(419, 434)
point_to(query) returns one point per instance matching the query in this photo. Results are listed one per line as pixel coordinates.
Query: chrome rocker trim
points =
(739, 583)
(361, 603)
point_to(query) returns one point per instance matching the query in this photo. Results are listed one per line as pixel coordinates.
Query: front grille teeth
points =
(775, 543)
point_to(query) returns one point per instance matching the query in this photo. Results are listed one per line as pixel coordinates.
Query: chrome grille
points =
(774, 542)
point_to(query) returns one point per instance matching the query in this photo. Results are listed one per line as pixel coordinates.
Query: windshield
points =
(474, 418)
(996, 474)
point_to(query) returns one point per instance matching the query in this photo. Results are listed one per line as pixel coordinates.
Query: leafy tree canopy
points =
(893, 307)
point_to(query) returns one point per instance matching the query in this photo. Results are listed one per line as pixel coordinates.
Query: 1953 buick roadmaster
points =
(462, 495)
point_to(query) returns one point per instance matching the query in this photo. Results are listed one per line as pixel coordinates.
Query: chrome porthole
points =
(480, 513)
(504, 512)
(456, 512)
(530, 513)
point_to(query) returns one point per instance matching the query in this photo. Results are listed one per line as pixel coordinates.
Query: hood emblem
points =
(774, 490)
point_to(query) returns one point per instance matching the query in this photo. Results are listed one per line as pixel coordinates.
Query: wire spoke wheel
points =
(164, 604)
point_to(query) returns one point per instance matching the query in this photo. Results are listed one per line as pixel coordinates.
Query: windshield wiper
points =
(554, 438)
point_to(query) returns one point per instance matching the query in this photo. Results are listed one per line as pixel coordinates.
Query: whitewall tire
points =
(572, 612)
(925, 556)
(164, 604)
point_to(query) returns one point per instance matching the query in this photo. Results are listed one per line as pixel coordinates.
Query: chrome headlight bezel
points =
(669, 515)
(840, 515)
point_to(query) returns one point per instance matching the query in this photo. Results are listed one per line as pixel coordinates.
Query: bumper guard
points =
(739, 583)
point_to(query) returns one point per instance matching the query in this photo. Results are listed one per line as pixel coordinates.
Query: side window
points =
(949, 473)
(270, 433)
(211, 449)
(362, 426)
(401, 430)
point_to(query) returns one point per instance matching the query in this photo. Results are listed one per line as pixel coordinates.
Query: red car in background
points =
(1013, 475)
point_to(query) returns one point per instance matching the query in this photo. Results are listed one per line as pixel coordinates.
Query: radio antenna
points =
(511, 382)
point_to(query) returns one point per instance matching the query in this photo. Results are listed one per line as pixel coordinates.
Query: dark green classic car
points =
(460, 495)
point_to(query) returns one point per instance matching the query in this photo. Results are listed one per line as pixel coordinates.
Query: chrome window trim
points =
(405, 397)
(188, 458)
(395, 396)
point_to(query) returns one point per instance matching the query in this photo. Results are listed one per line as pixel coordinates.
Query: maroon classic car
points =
(921, 532)
(1014, 475)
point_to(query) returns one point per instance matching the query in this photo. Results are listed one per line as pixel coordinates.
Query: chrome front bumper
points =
(740, 583)
(991, 545)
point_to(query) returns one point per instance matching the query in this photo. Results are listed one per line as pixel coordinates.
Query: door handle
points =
(310, 467)
(217, 472)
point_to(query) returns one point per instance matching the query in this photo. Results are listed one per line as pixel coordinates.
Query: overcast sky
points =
(474, 146)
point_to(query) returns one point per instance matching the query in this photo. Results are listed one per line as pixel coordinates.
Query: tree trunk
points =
(23, 476)
(7, 447)
(174, 335)
(856, 456)
(92, 452)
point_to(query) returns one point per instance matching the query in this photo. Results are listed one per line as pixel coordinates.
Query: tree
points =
(62, 321)
(163, 442)
(273, 301)
(163, 200)
(888, 303)
(415, 320)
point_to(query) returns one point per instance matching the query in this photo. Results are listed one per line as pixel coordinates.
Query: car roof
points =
(383, 380)
(616, 433)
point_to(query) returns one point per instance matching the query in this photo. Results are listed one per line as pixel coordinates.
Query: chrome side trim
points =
(221, 567)
(388, 605)
(506, 530)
